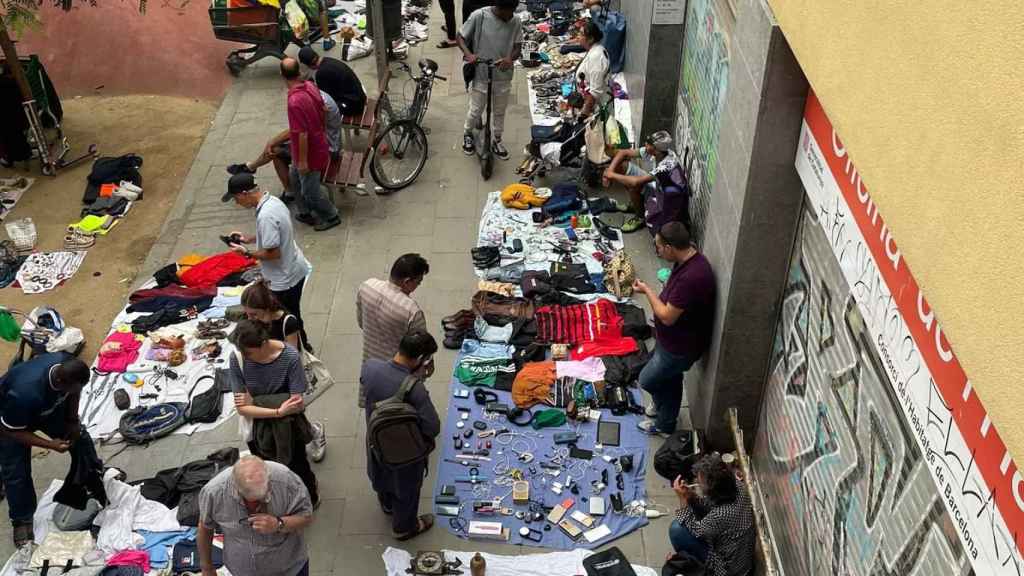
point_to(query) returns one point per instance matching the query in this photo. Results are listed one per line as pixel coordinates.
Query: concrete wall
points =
(751, 218)
(926, 97)
(652, 68)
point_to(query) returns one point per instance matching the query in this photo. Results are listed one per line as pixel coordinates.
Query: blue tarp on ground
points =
(541, 443)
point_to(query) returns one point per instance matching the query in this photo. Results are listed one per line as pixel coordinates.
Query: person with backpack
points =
(40, 395)
(268, 381)
(401, 424)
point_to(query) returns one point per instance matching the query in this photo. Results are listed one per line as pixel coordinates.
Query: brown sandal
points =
(423, 523)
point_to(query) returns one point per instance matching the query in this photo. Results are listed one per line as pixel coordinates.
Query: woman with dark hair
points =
(592, 73)
(268, 381)
(262, 306)
(715, 521)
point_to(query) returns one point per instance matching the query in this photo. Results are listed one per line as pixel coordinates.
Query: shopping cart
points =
(44, 114)
(265, 28)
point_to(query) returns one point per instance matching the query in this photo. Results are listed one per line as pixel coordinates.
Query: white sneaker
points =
(317, 448)
(648, 427)
(651, 411)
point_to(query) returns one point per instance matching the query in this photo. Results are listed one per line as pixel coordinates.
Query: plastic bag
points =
(296, 19)
(615, 134)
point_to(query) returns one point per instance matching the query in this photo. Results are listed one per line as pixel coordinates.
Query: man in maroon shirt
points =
(309, 149)
(683, 317)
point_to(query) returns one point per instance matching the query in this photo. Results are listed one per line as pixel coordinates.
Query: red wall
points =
(167, 51)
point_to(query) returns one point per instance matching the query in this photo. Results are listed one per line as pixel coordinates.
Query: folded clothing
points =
(532, 384)
(497, 373)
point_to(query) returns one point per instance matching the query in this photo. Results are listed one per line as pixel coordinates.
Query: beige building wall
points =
(928, 98)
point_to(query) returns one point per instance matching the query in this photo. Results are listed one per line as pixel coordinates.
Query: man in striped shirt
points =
(385, 310)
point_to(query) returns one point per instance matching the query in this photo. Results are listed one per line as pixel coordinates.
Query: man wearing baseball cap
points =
(655, 160)
(282, 262)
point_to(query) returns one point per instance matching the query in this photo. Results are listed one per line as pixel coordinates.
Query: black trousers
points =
(402, 497)
(448, 7)
(291, 299)
(299, 465)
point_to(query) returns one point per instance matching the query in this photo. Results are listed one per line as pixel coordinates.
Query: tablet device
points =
(608, 433)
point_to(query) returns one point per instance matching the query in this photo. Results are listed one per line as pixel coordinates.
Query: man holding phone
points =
(398, 490)
(262, 508)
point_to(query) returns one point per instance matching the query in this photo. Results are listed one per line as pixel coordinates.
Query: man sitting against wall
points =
(714, 524)
(639, 171)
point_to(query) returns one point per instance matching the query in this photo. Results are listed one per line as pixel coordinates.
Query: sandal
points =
(423, 523)
(446, 44)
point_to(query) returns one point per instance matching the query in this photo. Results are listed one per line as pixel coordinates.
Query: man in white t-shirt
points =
(491, 33)
(656, 158)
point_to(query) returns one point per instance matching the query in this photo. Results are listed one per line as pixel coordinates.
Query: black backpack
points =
(676, 456)
(393, 430)
(143, 424)
(206, 407)
(610, 562)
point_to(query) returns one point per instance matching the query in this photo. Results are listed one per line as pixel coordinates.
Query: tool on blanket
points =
(463, 462)
(433, 564)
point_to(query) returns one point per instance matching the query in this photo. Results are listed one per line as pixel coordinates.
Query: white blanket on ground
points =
(396, 561)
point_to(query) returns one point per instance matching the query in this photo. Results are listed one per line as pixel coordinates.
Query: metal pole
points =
(381, 44)
(760, 515)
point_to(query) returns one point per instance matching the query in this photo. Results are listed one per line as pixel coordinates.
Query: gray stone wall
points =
(750, 220)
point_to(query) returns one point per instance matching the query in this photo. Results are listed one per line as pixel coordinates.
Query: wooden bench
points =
(350, 168)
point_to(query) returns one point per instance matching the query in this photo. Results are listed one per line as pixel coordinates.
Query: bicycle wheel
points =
(399, 155)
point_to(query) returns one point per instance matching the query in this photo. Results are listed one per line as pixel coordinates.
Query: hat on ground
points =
(307, 55)
(661, 140)
(241, 182)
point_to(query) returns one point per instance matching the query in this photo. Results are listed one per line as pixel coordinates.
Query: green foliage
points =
(20, 15)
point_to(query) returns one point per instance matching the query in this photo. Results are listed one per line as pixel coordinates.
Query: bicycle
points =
(399, 152)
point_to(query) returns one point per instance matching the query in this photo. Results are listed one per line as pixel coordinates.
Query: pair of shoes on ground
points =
(76, 240)
(497, 147)
(457, 328)
(633, 224)
(317, 224)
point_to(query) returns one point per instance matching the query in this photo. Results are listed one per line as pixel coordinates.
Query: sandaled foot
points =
(423, 523)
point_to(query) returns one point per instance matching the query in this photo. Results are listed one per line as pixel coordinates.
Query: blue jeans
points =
(308, 195)
(684, 541)
(662, 378)
(16, 468)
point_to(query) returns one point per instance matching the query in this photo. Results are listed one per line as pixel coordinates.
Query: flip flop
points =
(446, 44)
(423, 523)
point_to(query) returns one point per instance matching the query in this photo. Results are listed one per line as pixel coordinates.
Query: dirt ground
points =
(166, 132)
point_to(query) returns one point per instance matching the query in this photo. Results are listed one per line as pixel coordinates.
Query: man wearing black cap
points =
(337, 79)
(282, 262)
(41, 395)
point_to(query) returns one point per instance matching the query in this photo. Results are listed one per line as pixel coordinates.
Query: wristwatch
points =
(280, 524)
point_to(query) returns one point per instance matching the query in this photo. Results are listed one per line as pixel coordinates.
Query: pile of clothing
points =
(147, 526)
(169, 346)
(112, 186)
(542, 323)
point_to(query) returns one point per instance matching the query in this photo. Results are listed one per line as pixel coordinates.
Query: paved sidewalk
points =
(437, 217)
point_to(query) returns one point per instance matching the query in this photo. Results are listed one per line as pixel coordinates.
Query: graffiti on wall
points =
(702, 100)
(845, 483)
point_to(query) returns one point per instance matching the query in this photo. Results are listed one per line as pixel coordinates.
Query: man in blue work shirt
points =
(40, 395)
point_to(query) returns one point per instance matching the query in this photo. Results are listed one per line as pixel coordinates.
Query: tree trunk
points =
(11, 55)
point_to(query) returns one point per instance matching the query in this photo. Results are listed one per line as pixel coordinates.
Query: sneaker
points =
(648, 427)
(468, 145)
(317, 448)
(22, 533)
(240, 169)
(306, 219)
(327, 224)
(499, 150)
(651, 410)
(633, 223)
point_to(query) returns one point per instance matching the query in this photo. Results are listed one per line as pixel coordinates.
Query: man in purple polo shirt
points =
(309, 149)
(683, 317)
